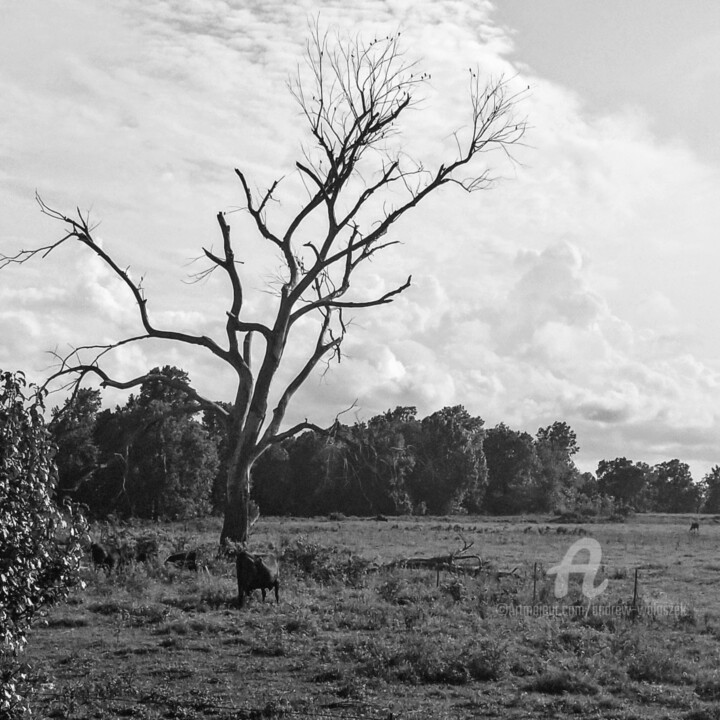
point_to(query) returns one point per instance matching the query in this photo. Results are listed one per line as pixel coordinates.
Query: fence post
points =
(634, 611)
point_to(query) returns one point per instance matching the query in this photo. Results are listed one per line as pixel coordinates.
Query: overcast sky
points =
(582, 287)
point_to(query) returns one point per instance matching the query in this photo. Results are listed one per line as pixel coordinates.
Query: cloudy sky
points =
(582, 287)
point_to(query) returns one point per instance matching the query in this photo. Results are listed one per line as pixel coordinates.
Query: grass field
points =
(351, 639)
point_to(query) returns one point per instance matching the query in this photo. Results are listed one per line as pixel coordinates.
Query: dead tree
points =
(359, 184)
(458, 560)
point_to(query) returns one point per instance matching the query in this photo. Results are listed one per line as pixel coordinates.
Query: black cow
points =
(146, 549)
(186, 560)
(253, 573)
(111, 557)
(695, 527)
(104, 557)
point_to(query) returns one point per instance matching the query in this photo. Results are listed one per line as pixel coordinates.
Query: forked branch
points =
(81, 231)
(79, 372)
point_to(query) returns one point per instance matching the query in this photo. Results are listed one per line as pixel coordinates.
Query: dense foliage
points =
(150, 459)
(147, 459)
(40, 543)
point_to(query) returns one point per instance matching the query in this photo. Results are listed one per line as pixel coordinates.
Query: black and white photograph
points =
(359, 360)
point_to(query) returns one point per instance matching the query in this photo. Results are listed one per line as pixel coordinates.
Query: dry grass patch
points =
(350, 640)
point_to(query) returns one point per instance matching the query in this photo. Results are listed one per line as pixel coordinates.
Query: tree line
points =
(150, 459)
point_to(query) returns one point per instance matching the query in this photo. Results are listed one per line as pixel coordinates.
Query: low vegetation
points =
(357, 635)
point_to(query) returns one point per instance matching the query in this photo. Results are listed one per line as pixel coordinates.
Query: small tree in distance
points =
(357, 188)
(710, 485)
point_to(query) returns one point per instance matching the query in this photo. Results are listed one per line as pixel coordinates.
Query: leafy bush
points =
(409, 590)
(455, 589)
(420, 659)
(708, 689)
(556, 682)
(487, 661)
(660, 665)
(324, 564)
(425, 661)
(40, 543)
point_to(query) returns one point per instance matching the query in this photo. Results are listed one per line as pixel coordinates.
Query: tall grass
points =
(350, 631)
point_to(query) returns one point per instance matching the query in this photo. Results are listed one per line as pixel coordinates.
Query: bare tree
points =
(358, 185)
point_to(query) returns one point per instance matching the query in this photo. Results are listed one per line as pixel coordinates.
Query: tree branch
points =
(228, 265)
(328, 301)
(334, 429)
(257, 216)
(321, 349)
(295, 429)
(81, 231)
(80, 371)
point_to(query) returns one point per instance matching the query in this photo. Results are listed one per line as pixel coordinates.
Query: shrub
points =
(419, 660)
(660, 665)
(488, 661)
(324, 564)
(40, 543)
(708, 689)
(405, 591)
(558, 682)
(455, 589)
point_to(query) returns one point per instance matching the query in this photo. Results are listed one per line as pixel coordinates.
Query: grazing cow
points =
(104, 557)
(146, 549)
(126, 554)
(111, 557)
(186, 560)
(561, 530)
(695, 527)
(253, 573)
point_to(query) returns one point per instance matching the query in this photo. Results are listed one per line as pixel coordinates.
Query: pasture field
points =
(351, 639)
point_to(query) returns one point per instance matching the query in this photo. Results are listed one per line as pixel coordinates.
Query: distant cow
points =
(111, 557)
(146, 549)
(695, 527)
(253, 573)
(104, 557)
(186, 560)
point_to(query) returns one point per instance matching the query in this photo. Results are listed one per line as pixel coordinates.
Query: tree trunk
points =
(236, 524)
